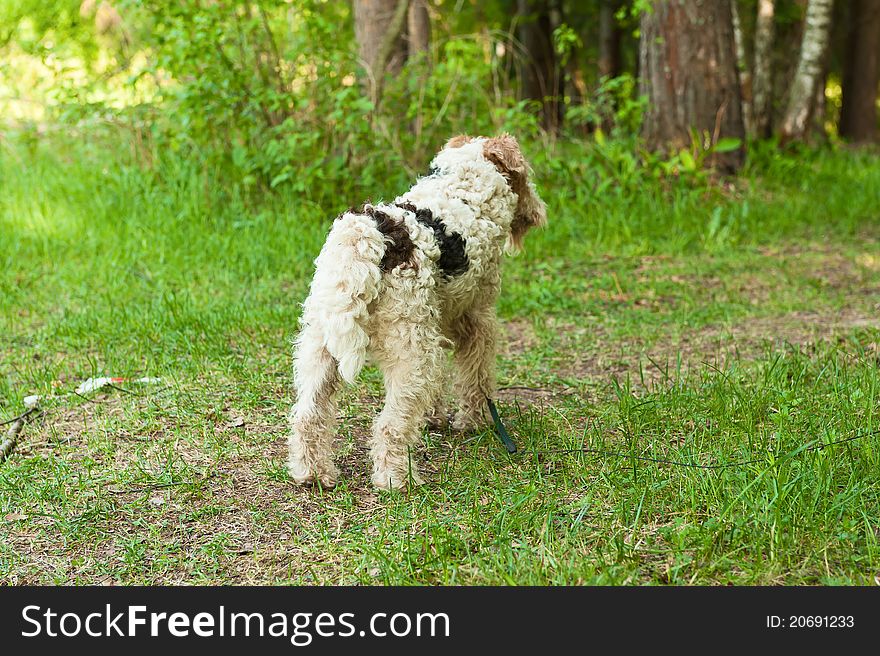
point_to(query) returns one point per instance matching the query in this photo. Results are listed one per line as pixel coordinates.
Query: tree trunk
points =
(541, 78)
(820, 106)
(858, 114)
(742, 64)
(378, 25)
(801, 102)
(418, 33)
(418, 40)
(609, 39)
(688, 69)
(762, 82)
(788, 35)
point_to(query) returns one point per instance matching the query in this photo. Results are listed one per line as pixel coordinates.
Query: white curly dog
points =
(400, 282)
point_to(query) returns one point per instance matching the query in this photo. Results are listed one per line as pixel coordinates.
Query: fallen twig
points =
(32, 402)
(8, 445)
(18, 418)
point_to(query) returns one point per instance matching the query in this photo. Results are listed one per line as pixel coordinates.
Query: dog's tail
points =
(347, 279)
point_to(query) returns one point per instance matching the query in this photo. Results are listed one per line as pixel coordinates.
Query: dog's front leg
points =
(475, 335)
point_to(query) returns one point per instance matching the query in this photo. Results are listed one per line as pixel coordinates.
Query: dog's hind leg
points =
(412, 365)
(475, 336)
(313, 417)
(437, 415)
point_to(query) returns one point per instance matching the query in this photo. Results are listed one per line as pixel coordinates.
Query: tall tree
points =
(745, 74)
(378, 27)
(820, 105)
(418, 32)
(418, 40)
(788, 33)
(801, 101)
(762, 81)
(858, 114)
(688, 71)
(609, 39)
(541, 78)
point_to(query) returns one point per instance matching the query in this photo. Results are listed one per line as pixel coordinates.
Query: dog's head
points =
(504, 153)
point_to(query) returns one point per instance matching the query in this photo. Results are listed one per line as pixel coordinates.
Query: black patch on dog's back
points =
(400, 250)
(453, 257)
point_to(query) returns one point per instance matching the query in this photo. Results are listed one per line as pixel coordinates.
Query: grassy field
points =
(699, 324)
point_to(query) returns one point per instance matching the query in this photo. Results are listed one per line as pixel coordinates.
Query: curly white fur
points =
(403, 317)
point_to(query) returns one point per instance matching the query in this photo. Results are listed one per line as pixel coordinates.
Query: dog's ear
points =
(503, 151)
(530, 213)
(458, 141)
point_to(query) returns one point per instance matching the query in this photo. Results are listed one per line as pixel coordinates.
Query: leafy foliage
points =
(270, 92)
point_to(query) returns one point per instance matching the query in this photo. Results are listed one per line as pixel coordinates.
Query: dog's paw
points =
(390, 479)
(437, 422)
(326, 475)
(465, 421)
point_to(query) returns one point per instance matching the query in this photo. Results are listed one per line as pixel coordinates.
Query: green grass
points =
(661, 320)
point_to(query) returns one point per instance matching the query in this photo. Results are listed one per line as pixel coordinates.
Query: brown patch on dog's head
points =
(458, 141)
(503, 151)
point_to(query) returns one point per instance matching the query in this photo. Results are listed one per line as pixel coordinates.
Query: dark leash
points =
(500, 429)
